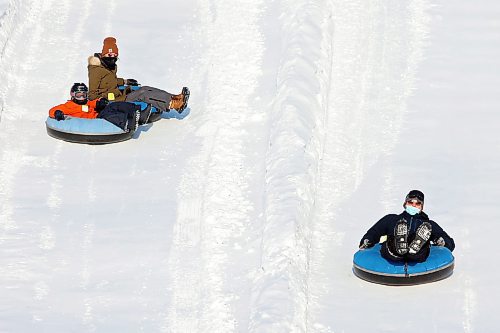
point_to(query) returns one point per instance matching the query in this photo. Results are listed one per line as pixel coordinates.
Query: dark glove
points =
(127, 90)
(58, 115)
(365, 244)
(101, 104)
(439, 242)
(131, 82)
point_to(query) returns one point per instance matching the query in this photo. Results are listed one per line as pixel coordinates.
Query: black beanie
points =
(415, 194)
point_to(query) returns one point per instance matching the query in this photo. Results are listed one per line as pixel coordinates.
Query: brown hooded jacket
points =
(103, 81)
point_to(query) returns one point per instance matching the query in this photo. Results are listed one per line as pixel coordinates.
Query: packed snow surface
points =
(308, 121)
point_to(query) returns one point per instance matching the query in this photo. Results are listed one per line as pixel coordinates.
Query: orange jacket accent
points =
(72, 109)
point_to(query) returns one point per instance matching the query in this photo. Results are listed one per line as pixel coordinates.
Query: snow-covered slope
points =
(308, 121)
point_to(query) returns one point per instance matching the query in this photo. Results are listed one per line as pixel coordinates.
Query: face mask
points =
(412, 210)
(109, 62)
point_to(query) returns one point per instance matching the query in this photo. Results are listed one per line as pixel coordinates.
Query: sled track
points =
(366, 105)
(24, 28)
(214, 207)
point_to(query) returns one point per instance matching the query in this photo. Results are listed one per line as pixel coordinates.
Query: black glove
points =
(439, 242)
(131, 82)
(101, 104)
(365, 244)
(58, 115)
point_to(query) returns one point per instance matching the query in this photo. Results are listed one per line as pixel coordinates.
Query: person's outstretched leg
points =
(122, 114)
(421, 255)
(386, 253)
(158, 98)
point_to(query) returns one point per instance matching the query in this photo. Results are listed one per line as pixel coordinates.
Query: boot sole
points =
(401, 237)
(423, 235)
(185, 93)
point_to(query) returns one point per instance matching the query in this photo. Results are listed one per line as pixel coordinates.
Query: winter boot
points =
(179, 102)
(423, 234)
(144, 114)
(401, 237)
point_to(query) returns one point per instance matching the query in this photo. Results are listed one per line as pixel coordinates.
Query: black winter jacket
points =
(385, 227)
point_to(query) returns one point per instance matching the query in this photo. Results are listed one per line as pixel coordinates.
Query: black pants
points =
(121, 114)
(389, 252)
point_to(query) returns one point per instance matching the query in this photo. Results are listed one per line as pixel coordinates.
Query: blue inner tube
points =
(369, 265)
(92, 131)
(83, 130)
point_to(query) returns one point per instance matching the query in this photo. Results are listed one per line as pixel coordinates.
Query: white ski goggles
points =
(79, 95)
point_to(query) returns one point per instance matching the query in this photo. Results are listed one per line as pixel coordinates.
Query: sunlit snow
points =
(308, 121)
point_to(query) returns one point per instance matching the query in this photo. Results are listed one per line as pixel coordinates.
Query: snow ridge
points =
(297, 130)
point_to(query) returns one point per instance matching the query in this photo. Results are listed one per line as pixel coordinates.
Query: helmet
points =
(79, 93)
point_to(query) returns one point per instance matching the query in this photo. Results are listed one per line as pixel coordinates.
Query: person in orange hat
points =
(104, 82)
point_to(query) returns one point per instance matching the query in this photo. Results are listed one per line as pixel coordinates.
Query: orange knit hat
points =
(109, 46)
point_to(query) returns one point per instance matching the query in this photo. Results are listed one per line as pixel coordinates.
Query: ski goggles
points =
(414, 202)
(79, 95)
(110, 55)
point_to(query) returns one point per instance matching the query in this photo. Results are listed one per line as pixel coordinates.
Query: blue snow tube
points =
(369, 265)
(84, 130)
(92, 131)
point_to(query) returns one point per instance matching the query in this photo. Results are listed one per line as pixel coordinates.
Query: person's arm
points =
(440, 238)
(53, 110)
(99, 104)
(373, 234)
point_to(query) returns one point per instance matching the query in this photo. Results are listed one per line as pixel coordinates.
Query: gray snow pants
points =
(158, 98)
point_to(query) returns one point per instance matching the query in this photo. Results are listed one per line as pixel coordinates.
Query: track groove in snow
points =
(364, 124)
